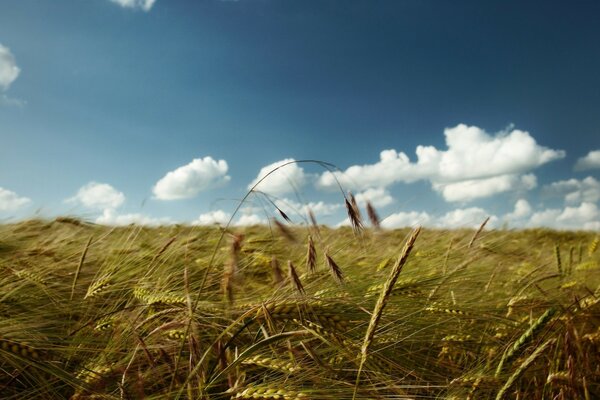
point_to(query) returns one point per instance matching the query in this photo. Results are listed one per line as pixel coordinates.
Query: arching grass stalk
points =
(328, 166)
(381, 302)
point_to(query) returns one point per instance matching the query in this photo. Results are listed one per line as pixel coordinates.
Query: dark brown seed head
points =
(311, 255)
(353, 213)
(334, 269)
(277, 274)
(284, 230)
(284, 215)
(373, 217)
(295, 280)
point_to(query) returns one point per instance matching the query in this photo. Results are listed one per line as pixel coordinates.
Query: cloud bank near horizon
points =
(475, 165)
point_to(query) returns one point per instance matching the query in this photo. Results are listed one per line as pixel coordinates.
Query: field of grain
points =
(296, 312)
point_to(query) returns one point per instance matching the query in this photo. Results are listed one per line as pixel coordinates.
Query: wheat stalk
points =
(311, 255)
(478, 231)
(382, 300)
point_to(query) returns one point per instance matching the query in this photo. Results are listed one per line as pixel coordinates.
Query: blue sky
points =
(123, 111)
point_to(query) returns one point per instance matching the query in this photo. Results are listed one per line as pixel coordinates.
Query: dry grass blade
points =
(81, 260)
(313, 219)
(478, 231)
(382, 300)
(311, 255)
(163, 249)
(284, 230)
(373, 217)
(295, 280)
(335, 270)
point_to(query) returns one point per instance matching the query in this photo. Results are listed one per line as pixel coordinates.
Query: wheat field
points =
(296, 312)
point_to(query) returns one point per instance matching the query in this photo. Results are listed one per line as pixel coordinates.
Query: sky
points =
(170, 111)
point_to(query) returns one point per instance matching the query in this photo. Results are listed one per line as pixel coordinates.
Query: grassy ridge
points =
(193, 312)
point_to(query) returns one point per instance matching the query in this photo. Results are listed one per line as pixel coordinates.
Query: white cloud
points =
(98, 196)
(342, 223)
(110, 217)
(473, 153)
(586, 216)
(187, 181)
(284, 180)
(522, 210)
(379, 197)
(392, 167)
(9, 71)
(466, 218)
(576, 191)
(145, 5)
(219, 217)
(590, 161)
(250, 219)
(458, 218)
(291, 207)
(472, 158)
(10, 201)
(592, 226)
(403, 219)
(479, 188)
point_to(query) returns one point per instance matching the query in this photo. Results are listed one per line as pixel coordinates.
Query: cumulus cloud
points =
(10, 201)
(590, 161)
(9, 71)
(471, 159)
(98, 196)
(522, 210)
(145, 5)
(284, 180)
(403, 219)
(219, 217)
(576, 191)
(586, 216)
(112, 218)
(250, 219)
(187, 181)
(379, 197)
(458, 218)
(466, 218)
(479, 188)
